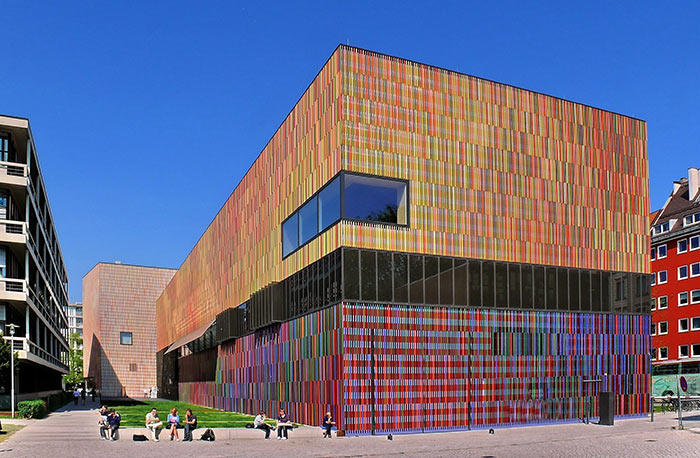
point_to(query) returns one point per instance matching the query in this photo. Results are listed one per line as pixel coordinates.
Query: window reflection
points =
(375, 199)
(308, 221)
(329, 204)
(290, 235)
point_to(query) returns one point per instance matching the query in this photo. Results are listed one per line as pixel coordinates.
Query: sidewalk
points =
(72, 432)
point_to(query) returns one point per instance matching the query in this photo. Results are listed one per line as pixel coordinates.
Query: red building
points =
(675, 264)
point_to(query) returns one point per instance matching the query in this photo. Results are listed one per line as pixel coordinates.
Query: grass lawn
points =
(9, 430)
(134, 414)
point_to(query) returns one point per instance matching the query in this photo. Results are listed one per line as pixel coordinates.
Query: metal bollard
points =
(651, 401)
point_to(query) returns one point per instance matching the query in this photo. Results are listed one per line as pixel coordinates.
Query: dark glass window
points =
(514, 286)
(446, 281)
(375, 199)
(595, 292)
(125, 338)
(290, 235)
(329, 204)
(563, 289)
(475, 283)
(538, 279)
(585, 291)
(384, 274)
(605, 291)
(351, 272)
(431, 280)
(551, 288)
(487, 283)
(368, 275)
(460, 282)
(528, 290)
(573, 290)
(400, 277)
(308, 221)
(501, 285)
(415, 273)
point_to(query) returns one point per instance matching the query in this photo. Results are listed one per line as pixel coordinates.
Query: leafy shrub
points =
(32, 409)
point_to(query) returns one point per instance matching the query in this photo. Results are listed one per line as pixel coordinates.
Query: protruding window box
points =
(266, 307)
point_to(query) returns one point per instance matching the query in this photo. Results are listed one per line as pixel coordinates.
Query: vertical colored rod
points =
(371, 379)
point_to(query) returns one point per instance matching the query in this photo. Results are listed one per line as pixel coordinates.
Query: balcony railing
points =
(12, 285)
(13, 173)
(13, 231)
(23, 344)
(18, 343)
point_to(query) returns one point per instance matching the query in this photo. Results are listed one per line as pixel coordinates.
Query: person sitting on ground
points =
(153, 423)
(328, 424)
(173, 422)
(259, 423)
(114, 420)
(283, 424)
(76, 396)
(102, 422)
(190, 424)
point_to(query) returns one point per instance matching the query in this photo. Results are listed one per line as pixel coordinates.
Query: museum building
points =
(416, 249)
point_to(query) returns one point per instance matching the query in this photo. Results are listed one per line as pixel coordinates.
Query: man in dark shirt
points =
(190, 424)
(114, 419)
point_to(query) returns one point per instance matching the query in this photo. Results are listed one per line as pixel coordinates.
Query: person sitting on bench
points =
(328, 424)
(114, 420)
(259, 423)
(283, 425)
(102, 422)
(153, 423)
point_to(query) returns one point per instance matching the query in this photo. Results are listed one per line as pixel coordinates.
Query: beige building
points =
(119, 327)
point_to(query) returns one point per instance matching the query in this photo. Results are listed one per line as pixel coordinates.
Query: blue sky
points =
(147, 114)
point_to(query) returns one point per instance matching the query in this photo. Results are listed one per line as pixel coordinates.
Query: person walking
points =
(153, 424)
(259, 423)
(283, 424)
(92, 393)
(83, 394)
(328, 424)
(190, 425)
(173, 422)
(76, 395)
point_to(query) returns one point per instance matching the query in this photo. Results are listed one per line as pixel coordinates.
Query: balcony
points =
(13, 289)
(13, 232)
(26, 349)
(12, 173)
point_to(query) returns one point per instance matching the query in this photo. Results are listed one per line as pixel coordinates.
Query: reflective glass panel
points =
(308, 221)
(290, 235)
(329, 204)
(375, 199)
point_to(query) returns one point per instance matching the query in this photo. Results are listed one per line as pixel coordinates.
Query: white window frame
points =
(678, 248)
(663, 333)
(692, 353)
(661, 358)
(687, 351)
(690, 243)
(658, 251)
(694, 219)
(665, 281)
(653, 279)
(653, 253)
(687, 325)
(653, 304)
(659, 307)
(653, 354)
(653, 329)
(693, 328)
(663, 227)
(691, 296)
(690, 268)
(680, 275)
(687, 299)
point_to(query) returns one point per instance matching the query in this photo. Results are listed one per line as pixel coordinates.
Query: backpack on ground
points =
(140, 438)
(208, 435)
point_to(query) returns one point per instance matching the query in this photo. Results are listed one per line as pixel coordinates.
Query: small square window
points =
(663, 302)
(653, 279)
(695, 323)
(125, 338)
(663, 277)
(683, 325)
(695, 296)
(695, 350)
(682, 272)
(663, 328)
(653, 304)
(663, 353)
(132, 367)
(653, 254)
(682, 351)
(695, 269)
(653, 329)
(682, 246)
(653, 354)
(661, 251)
(694, 242)
(683, 299)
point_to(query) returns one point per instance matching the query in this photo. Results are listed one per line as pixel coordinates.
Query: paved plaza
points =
(72, 432)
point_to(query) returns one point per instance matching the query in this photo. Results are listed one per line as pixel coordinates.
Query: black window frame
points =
(121, 337)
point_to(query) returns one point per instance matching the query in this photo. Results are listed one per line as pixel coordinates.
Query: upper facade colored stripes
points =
(495, 172)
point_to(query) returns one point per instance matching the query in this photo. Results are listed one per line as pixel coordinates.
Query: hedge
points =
(32, 409)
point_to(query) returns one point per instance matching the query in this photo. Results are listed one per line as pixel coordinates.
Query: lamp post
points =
(12, 366)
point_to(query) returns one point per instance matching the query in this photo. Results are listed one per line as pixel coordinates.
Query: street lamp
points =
(12, 366)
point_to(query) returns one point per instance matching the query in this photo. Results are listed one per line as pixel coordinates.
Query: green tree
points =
(5, 351)
(75, 360)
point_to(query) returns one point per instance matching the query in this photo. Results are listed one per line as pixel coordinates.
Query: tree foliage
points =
(5, 352)
(75, 360)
